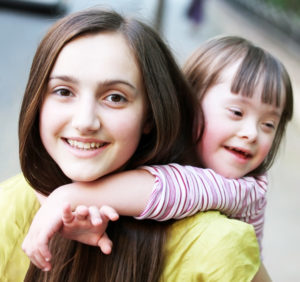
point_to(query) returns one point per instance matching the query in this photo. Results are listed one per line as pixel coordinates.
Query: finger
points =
(67, 215)
(40, 262)
(43, 240)
(37, 261)
(45, 252)
(109, 213)
(95, 215)
(36, 258)
(81, 212)
(105, 244)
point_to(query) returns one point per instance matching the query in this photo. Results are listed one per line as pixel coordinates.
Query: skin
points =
(98, 104)
(238, 130)
(91, 122)
(262, 275)
(88, 225)
(252, 129)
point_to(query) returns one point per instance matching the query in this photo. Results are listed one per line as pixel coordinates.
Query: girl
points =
(247, 100)
(104, 94)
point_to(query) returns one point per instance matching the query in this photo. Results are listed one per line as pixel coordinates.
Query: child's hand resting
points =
(88, 225)
(84, 225)
(47, 221)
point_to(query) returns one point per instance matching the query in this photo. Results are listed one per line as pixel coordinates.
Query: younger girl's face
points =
(92, 117)
(238, 131)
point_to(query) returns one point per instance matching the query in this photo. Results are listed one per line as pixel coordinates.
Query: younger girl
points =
(246, 97)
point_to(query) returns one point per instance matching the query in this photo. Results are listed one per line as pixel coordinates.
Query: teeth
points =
(85, 145)
(239, 151)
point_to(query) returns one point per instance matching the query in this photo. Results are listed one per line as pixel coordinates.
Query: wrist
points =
(73, 193)
(60, 196)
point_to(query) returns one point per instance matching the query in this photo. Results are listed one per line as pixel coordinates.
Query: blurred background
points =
(272, 24)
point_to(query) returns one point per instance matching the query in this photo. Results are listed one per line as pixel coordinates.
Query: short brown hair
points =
(205, 66)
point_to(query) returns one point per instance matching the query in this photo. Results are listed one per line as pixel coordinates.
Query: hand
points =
(45, 224)
(88, 225)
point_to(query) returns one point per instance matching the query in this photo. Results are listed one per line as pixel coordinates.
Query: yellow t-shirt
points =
(18, 205)
(211, 247)
(205, 247)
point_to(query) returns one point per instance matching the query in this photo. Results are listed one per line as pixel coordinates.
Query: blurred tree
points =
(286, 5)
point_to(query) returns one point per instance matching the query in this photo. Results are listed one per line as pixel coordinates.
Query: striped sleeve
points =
(182, 191)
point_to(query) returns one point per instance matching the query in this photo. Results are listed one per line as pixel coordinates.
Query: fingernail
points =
(97, 221)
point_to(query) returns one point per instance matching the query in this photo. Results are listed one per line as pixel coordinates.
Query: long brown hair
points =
(138, 246)
(205, 66)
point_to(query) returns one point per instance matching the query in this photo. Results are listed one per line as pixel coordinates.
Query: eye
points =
(235, 112)
(116, 98)
(63, 92)
(270, 126)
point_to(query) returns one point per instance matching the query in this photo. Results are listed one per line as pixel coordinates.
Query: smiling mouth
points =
(85, 145)
(239, 152)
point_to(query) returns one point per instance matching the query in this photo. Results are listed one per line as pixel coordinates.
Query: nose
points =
(248, 131)
(85, 117)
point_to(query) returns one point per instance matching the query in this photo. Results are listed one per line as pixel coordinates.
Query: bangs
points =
(259, 70)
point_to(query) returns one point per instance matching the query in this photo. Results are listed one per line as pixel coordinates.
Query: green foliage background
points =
(286, 5)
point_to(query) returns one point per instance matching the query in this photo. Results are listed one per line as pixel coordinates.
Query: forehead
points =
(105, 54)
(255, 80)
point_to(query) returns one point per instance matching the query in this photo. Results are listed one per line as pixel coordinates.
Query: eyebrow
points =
(277, 113)
(63, 77)
(105, 83)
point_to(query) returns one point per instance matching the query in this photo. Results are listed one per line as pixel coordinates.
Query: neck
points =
(41, 198)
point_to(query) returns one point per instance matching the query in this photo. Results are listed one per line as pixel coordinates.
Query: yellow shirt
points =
(205, 247)
(18, 205)
(211, 247)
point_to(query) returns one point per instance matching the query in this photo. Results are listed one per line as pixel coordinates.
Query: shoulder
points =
(17, 195)
(210, 246)
(18, 205)
(14, 183)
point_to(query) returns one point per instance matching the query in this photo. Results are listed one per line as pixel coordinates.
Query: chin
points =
(79, 177)
(230, 174)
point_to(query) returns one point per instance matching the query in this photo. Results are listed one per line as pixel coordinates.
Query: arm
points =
(86, 225)
(178, 192)
(181, 191)
(127, 192)
(50, 217)
(262, 275)
(169, 191)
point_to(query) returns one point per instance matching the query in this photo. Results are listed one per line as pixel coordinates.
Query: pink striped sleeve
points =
(181, 191)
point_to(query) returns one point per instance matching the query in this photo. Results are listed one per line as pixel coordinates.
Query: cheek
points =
(211, 135)
(46, 123)
(127, 129)
(204, 146)
(52, 119)
(265, 148)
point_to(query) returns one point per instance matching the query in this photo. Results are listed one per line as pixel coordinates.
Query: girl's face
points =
(238, 131)
(93, 115)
